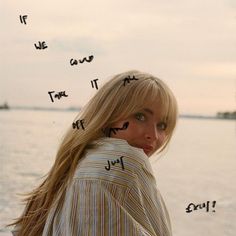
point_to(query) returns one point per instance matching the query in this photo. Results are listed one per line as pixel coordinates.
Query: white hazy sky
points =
(190, 44)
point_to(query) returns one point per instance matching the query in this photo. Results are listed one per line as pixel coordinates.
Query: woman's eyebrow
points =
(152, 113)
(148, 111)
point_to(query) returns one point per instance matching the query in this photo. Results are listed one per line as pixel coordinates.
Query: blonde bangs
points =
(151, 91)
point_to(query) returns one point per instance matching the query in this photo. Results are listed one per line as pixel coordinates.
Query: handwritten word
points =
(114, 130)
(114, 162)
(75, 62)
(58, 95)
(76, 124)
(200, 206)
(94, 82)
(41, 45)
(23, 19)
(128, 79)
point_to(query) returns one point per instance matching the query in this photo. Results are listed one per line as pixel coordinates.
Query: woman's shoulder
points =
(112, 159)
(117, 148)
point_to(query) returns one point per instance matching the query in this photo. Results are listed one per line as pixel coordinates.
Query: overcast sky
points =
(190, 44)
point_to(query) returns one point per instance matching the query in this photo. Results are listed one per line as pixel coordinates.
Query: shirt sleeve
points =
(145, 203)
(14, 232)
(97, 209)
(115, 202)
(121, 200)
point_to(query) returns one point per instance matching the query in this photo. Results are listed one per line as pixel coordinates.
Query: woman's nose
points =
(152, 133)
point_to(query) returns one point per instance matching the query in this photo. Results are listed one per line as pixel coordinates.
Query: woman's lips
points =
(146, 148)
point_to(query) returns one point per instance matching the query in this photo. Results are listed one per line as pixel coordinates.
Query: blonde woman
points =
(102, 182)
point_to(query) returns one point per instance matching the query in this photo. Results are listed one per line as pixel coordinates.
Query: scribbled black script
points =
(119, 160)
(41, 45)
(115, 130)
(57, 95)
(193, 207)
(128, 79)
(75, 62)
(94, 83)
(78, 123)
(23, 19)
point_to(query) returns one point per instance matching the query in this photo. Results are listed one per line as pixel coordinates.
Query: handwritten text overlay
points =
(192, 207)
(57, 95)
(115, 162)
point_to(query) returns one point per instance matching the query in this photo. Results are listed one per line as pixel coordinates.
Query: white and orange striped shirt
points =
(113, 193)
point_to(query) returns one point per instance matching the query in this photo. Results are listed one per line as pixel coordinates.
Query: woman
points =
(101, 182)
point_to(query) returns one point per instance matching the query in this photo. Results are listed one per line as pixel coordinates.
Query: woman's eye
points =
(162, 126)
(140, 116)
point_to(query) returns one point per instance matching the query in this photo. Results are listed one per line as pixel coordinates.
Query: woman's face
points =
(144, 129)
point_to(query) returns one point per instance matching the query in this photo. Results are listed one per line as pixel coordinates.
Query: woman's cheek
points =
(162, 138)
(135, 128)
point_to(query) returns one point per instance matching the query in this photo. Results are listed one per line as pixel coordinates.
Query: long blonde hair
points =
(115, 100)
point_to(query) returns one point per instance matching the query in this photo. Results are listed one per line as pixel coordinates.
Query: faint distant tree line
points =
(226, 115)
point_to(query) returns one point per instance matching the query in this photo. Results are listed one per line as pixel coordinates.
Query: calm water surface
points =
(199, 166)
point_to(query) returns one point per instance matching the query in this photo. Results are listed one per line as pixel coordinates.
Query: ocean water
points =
(199, 167)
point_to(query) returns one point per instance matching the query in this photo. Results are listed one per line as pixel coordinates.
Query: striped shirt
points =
(113, 193)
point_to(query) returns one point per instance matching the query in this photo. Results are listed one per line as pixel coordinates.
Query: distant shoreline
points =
(46, 108)
(77, 109)
(185, 116)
